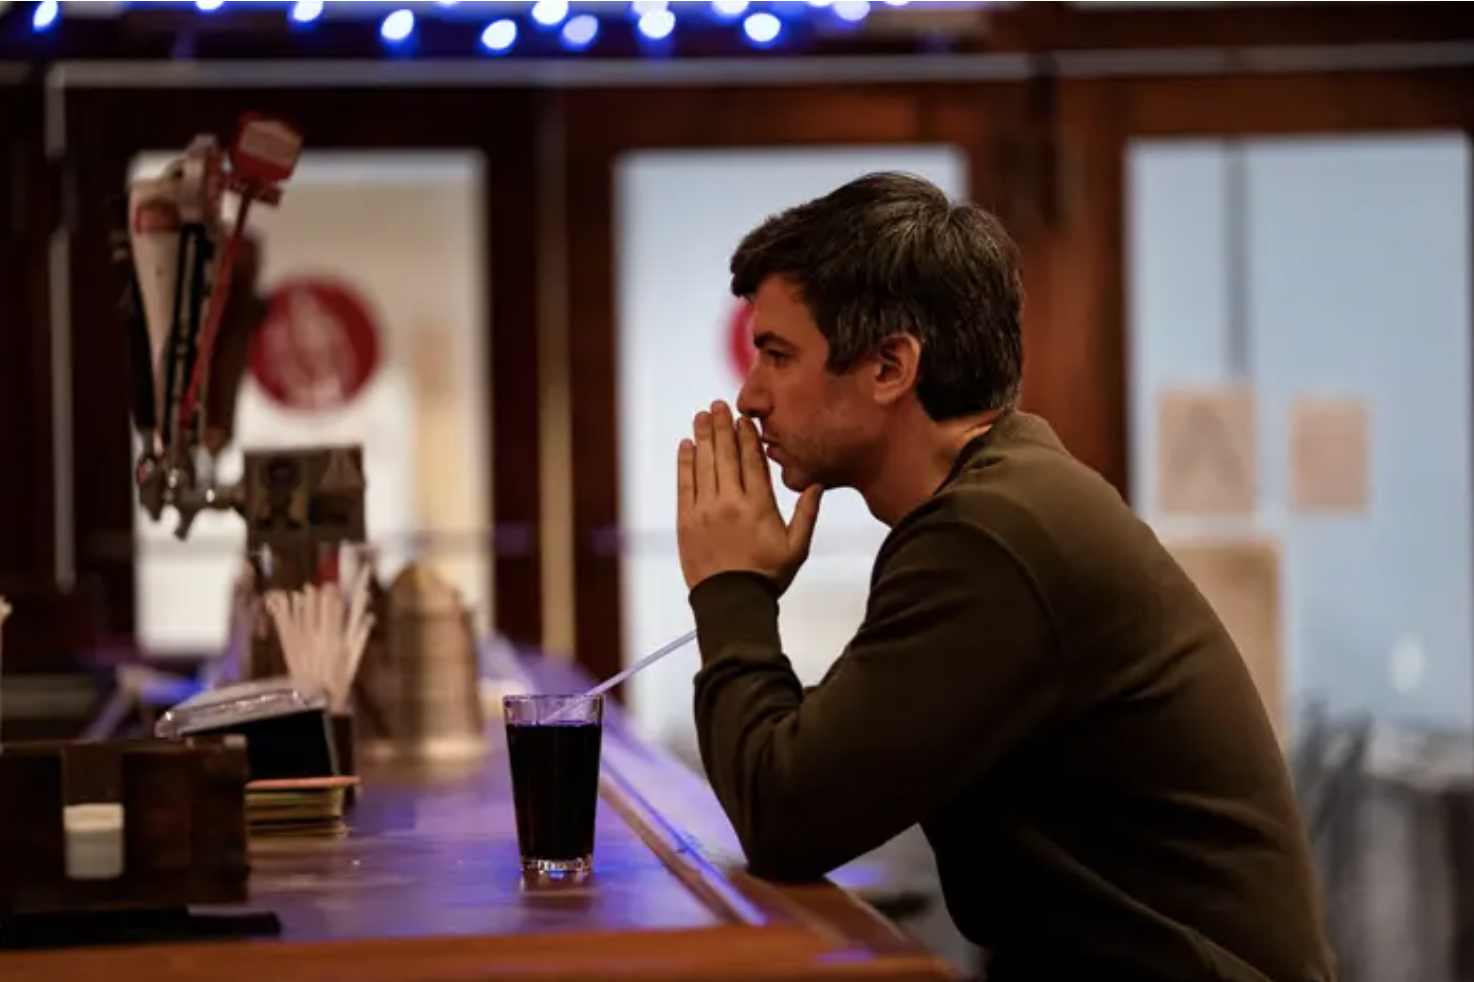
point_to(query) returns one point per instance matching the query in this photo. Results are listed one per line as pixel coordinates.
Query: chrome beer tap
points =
(176, 261)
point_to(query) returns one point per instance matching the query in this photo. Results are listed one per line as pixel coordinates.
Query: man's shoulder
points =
(1059, 521)
(1027, 496)
(974, 535)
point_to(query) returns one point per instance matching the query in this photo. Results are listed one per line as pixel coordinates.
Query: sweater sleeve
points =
(954, 666)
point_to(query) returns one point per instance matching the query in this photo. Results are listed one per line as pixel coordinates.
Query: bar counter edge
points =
(761, 930)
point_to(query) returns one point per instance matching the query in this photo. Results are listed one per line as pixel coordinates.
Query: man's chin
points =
(796, 480)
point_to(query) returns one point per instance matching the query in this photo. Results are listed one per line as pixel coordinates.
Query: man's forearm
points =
(745, 683)
(748, 703)
(955, 665)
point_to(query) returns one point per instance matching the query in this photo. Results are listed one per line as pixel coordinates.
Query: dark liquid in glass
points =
(555, 787)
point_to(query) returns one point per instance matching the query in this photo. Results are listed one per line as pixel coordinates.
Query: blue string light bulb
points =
(762, 28)
(550, 13)
(46, 14)
(580, 31)
(499, 36)
(576, 27)
(306, 11)
(657, 25)
(398, 26)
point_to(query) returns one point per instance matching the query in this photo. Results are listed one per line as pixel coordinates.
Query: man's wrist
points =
(735, 607)
(754, 577)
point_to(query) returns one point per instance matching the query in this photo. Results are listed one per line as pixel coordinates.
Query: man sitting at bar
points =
(1036, 682)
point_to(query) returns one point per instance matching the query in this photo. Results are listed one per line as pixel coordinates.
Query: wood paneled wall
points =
(1074, 267)
(27, 549)
(105, 130)
(1075, 374)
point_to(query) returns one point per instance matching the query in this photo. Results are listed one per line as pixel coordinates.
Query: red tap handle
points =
(265, 151)
(263, 154)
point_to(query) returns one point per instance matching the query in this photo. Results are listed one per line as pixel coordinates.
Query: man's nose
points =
(749, 401)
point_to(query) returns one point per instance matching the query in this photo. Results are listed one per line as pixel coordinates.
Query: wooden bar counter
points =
(426, 888)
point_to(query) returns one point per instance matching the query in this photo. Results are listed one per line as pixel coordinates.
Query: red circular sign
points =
(318, 346)
(741, 355)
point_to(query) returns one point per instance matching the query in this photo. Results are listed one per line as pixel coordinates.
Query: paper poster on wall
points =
(1329, 455)
(1206, 464)
(1241, 580)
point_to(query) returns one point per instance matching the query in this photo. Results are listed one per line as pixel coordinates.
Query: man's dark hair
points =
(887, 254)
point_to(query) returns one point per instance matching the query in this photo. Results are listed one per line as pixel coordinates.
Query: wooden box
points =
(183, 839)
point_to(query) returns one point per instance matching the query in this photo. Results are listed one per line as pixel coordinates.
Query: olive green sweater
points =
(1040, 686)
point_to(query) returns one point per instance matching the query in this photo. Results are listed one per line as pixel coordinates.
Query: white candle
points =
(94, 841)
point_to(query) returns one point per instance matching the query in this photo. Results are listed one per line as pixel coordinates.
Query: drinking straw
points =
(670, 646)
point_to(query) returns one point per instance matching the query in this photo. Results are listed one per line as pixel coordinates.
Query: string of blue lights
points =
(761, 24)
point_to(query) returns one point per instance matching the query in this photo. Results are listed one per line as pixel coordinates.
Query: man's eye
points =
(775, 357)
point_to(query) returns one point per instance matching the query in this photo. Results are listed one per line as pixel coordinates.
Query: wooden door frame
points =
(27, 523)
(107, 127)
(1076, 371)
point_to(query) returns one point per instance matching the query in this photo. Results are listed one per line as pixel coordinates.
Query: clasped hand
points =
(727, 515)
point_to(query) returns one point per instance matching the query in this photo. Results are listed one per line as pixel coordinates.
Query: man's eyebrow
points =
(766, 338)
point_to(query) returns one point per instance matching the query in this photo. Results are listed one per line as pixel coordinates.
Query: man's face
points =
(814, 422)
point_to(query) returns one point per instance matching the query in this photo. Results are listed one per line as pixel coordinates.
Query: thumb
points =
(805, 518)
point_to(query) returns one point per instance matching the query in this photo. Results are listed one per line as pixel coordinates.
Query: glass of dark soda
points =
(553, 749)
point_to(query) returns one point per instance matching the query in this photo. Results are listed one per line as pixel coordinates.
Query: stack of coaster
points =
(297, 806)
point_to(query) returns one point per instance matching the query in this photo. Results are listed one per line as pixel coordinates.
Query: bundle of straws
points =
(323, 636)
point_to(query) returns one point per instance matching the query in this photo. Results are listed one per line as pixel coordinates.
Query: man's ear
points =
(897, 366)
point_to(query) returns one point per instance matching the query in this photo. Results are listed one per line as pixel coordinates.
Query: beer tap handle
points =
(244, 312)
(199, 184)
(263, 155)
(175, 284)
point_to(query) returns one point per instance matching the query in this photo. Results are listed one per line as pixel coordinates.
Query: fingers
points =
(756, 479)
(724, 439)
(706, 468)
(805, 519)
(685, 479)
